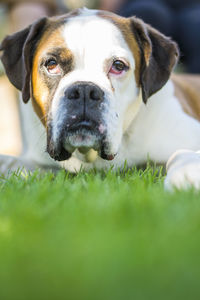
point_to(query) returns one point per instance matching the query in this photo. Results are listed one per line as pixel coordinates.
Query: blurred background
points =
(179, 19)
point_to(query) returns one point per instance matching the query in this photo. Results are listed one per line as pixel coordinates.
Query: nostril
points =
(94, 95)
(73, 94)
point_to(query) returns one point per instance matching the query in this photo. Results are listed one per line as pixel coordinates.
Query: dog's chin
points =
(85, 140)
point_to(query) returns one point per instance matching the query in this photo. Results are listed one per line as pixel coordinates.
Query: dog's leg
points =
(183, 170)
(10, 164)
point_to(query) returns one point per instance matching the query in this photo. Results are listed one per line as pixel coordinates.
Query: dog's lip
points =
(82, 138)
(83, 135)
(103, 153)
(82, 124)
(107, 156)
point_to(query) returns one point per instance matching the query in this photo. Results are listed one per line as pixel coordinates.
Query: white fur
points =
(94, 43)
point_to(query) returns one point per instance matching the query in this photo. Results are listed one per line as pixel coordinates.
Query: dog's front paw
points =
(183, 170)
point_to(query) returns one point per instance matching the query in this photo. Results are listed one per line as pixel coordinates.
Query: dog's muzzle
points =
(81, 124)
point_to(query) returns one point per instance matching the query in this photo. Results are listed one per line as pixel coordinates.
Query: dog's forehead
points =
(90, 34)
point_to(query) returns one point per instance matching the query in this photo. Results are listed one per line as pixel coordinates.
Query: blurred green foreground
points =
(97, 236)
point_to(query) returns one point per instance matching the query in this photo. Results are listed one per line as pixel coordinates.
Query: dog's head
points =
(83, 71)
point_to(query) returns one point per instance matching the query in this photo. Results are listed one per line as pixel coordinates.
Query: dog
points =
(103, 88)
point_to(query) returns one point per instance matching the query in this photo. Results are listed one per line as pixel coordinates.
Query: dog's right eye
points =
(53, 67)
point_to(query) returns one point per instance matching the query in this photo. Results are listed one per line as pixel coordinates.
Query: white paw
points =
(183, 170)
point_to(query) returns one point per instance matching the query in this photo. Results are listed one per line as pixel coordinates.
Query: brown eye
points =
(51, 64)
(52, 67)
(118, 67)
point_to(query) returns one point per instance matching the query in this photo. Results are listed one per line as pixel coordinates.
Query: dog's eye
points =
(52, 67)
(118, 67)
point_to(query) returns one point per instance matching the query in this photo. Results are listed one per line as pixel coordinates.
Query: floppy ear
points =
(18, 50)
(158, 56)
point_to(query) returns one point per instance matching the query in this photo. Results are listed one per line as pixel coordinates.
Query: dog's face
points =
(83, 71)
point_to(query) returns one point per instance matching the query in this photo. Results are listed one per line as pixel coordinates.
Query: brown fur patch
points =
(52, 39)
(187, 90)
(124, 25)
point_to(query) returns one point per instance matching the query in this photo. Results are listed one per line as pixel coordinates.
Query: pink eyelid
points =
(114, 71)
(55, 70)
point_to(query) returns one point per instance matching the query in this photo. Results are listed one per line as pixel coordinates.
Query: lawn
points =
(98, 236)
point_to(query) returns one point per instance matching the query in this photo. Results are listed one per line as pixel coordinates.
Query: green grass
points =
(98, 236)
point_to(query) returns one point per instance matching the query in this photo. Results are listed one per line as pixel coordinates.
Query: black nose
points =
(84, 91)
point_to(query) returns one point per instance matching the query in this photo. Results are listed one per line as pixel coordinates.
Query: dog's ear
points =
(18, 50)
(158, 56)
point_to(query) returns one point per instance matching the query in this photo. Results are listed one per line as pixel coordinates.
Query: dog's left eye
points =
(118, 67)
(53, 67)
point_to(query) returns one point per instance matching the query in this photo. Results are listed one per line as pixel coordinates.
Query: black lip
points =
(103, 153)
(59, 154)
